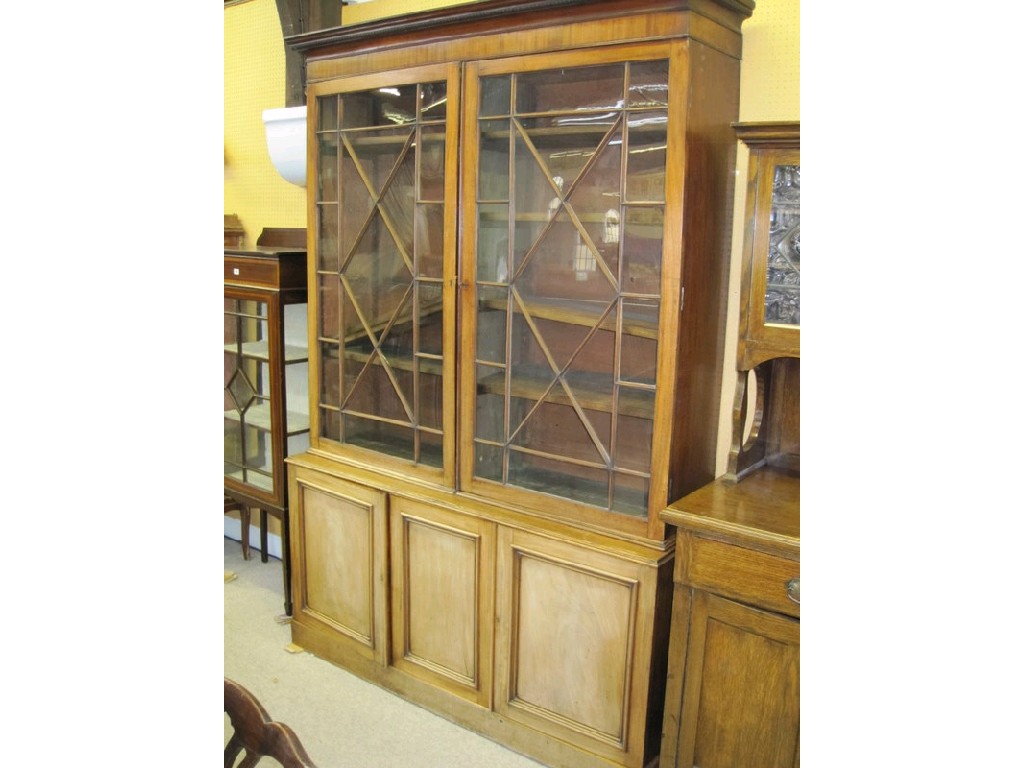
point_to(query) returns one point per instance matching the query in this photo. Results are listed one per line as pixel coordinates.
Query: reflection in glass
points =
(648, 84)
(569, 90)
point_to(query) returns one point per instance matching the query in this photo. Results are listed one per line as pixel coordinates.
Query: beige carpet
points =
(342, 721)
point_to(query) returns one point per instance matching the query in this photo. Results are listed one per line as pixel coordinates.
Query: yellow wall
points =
(254, 81)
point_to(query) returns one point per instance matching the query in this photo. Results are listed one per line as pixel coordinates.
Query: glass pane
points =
(631, 493)
(430, 396)
(494, 157)
(567, 90)
(548, 475)
(431, 156)
(492, 256)
(330, 303)
(233, 462)
(648, 84)
(648, 140)
(429, 239)
(395, 105)
(327, 242)
(642, 234)
(328, 112)
(639, 356)
(431, 330)
(633, 441)
(431, 449)
(379, 436)
(330, 424)
(327, 168)
(488, 462)
(562, 430)
(490, 324)
(330, 372)
(490, 408)
(782, 294)
(433, 101)
(495, 95)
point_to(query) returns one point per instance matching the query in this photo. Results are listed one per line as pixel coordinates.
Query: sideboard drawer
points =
(242, 271)
(753, 577)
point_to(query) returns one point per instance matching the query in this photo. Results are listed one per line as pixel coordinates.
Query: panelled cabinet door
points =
(574, 643)
(338, 545)
(442, 604)
(385, 153)
(564, 235)
(741, 694)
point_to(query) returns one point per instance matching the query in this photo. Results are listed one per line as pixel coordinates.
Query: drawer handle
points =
(793, 590)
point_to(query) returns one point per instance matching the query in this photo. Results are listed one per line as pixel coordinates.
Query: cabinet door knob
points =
(793, 590)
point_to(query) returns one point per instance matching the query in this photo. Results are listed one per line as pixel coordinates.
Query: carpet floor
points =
(342, 721)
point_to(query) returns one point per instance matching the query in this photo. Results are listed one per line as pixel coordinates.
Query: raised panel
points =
(741, 700)
(338, 532)
(441, 597)
(572, 653)
(572, 622)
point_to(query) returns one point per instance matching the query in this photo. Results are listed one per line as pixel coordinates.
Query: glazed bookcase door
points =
(250, 452)
(383, 268)
(563, 238)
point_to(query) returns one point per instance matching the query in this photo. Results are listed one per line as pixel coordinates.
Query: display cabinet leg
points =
(233, 505)
(246, 521)
(286, 561)
(263, 535)
(243, 512)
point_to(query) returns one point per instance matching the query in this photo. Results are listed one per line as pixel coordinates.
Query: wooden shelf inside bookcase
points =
(579, 313)
(533, 385)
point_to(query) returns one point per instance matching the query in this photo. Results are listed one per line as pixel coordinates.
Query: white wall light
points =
(286, 142)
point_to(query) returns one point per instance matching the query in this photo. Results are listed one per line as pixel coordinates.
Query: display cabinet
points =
(766, 414)
(770, 310)
(733, 692)
(518, 285)
(266, 376)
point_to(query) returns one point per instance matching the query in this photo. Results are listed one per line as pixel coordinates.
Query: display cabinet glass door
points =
(248, 393)
(769, 320)
(569, 209)
(382, 234)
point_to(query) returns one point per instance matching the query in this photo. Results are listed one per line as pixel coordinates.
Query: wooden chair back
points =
(257, 734)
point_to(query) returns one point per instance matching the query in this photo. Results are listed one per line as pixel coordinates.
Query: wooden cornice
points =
(775, 134)
(485, 14)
